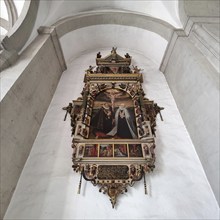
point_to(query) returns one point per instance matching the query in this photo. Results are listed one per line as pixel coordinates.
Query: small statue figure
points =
(90, 171)
(127, 55)
(90, 69)
(146, 150)
(132, 170)
(74, 150)
(68, 110)
(99, 55)
(135, 172)
(113, 51)
(114, 54)
(80, 152)
(136, 69)
(157, 110)
(152, 147)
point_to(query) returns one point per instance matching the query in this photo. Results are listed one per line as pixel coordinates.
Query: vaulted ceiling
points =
(143, 26)
(87, 25)
(164, 10)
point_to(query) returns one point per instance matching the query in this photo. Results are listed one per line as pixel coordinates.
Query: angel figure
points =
(136, 69)
(90, 69)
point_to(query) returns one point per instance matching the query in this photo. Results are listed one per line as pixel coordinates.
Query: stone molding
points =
(207, 44)
(126, 18)
(56, 43)
(12, 12)
(18, 34)
(202, 39)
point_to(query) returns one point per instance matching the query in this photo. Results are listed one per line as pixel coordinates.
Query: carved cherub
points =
(135, 172)
(90, 171)
(90, 69)
(136, 69)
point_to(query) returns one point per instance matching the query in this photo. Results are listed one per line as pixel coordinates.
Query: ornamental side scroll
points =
(113, 126)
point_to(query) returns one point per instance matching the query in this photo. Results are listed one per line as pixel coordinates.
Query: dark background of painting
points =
(104, 97)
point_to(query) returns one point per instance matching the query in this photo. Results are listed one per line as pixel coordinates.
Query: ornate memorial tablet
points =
(113, 126)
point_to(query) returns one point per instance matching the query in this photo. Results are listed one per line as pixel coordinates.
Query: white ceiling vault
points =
(165, 10)
(142, 26)
(99, 37)
(158, 18)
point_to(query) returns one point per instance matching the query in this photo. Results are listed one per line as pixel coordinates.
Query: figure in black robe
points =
(103, 120)
(123, 130)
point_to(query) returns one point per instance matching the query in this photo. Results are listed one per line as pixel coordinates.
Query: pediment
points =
(113, 59)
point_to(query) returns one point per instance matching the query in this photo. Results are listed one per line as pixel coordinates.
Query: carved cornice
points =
(113, 77)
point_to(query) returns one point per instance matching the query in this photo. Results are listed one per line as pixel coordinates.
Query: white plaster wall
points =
(194, 83)
(47, 188)
(32, 82)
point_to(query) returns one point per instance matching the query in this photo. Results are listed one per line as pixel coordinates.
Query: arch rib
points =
(12, 12)
(155, 25)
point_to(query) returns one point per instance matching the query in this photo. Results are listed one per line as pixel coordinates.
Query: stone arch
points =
(125, 18)
(18, 35)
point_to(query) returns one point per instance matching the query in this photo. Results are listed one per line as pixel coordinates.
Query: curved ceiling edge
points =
(155, 25)
(112, 35)
(182, 13)
(22, 29)
(18, 35)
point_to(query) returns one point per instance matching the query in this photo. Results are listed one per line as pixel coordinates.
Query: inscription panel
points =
(113, 172)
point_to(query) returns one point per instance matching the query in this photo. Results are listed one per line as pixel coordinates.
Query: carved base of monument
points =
(113, 180)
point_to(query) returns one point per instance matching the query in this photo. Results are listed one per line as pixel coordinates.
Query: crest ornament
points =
(113, 126)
